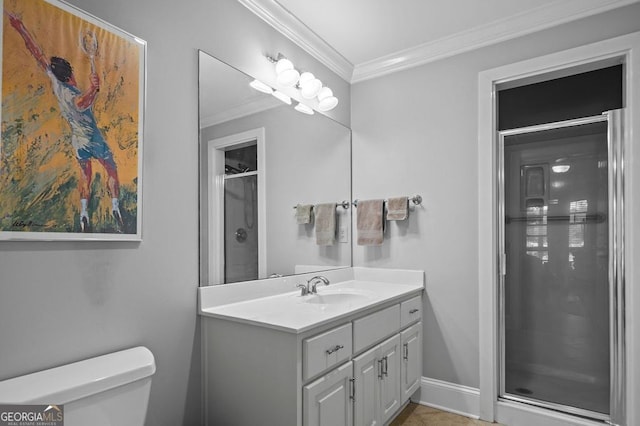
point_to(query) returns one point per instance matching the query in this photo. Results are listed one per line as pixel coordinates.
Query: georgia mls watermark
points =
(31, 415)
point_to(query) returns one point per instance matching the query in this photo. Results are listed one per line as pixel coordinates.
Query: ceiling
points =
(362, 39)
(383, 27)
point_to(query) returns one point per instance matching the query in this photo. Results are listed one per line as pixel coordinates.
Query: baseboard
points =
(446, 396)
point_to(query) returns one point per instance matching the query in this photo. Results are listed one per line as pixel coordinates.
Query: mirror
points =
(259, 159)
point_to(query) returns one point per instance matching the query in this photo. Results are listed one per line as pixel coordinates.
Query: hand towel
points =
(397, 208)
(370, 222)
(303, 213)
(325, 218)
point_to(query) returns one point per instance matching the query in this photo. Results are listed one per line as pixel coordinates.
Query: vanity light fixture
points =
(305, 109)
(261, 87)
(284, 98)
(309, 86)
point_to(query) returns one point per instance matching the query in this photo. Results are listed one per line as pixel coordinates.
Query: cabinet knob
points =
(413, 311)
(334, 349)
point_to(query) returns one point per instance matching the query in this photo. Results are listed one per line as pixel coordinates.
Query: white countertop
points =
(291, 312)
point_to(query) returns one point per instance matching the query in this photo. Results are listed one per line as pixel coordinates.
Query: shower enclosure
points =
(561, 279)
(241, 214)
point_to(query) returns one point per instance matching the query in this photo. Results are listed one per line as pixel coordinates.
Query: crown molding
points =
(515, 26)
(291, 27)
(528, 22)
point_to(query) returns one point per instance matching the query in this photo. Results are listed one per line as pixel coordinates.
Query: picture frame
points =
(73, 99)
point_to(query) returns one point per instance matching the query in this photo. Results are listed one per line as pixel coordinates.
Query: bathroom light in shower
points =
(261, 87)
(284, 98)
(287, 75)
(305, 109)
(309, 85)
(326, 100)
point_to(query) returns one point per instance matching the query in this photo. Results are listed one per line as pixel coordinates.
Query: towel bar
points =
(344, 205)
(416, 199)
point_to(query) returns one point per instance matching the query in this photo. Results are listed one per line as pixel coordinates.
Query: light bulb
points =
(328, 103)
(310, 87)
(305, 109)
(326, 100)
(284, 98)
(261, 87)
(288, 78)
(325, 92)
(286, 75)
(305, 77)
(283, 65)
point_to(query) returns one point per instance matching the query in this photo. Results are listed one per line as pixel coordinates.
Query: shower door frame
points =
(619, 50)
(215, 183)
(615, 281)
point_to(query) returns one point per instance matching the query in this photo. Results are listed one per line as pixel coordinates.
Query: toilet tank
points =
(111, 389)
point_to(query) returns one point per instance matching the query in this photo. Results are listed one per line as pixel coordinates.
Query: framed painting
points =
(72, 115)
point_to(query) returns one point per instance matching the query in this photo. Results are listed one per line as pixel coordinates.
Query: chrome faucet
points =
(314, 282)
(310, 286)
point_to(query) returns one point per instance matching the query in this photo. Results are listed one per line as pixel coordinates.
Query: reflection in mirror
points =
(259, 158)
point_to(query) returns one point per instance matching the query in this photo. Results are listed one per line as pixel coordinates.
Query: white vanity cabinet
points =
(327, 401)
(377, 383)
(286, 359)
(411, 364)
(325, 350)
(383, 377)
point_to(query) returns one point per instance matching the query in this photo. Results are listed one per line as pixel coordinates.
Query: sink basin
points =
(336, 298)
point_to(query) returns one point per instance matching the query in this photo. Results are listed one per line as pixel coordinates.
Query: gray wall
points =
(62, 302)
(416, 132)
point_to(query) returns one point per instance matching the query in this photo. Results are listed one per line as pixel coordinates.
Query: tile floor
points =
(419, 415)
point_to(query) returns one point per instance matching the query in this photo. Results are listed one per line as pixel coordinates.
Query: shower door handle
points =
(241, 235)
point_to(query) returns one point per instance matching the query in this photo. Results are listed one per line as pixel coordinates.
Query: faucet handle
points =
(303, 289)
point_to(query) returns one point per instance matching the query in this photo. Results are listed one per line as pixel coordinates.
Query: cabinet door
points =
(326, 401)
(411, 366)
(390, 355)
(367, 372)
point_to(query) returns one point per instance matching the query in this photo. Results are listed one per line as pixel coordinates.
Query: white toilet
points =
(111, 389)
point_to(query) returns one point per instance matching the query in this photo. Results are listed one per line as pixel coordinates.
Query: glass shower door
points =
(556, 310)
(240, 227)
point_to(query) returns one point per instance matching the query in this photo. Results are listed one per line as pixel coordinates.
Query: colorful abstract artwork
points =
(72, 125)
